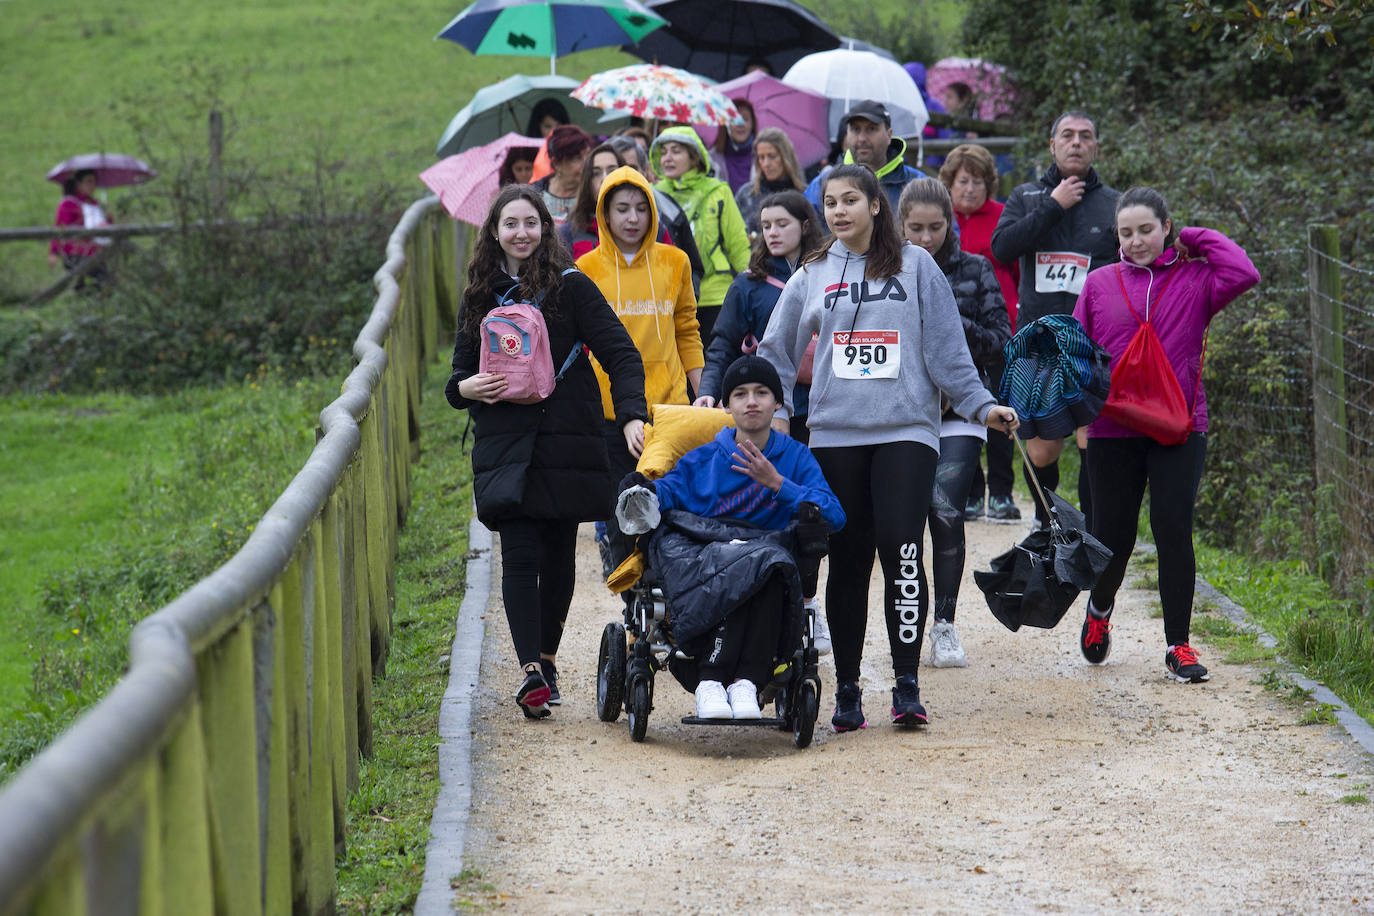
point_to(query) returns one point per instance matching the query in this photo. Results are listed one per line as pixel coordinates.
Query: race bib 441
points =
(866, 354)
(1060, 271)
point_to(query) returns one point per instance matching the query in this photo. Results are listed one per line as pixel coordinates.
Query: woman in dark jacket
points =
(792, 232)
(540, 469)
(927, 215)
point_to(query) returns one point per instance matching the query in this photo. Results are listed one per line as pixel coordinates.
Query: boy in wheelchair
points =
(732, 624)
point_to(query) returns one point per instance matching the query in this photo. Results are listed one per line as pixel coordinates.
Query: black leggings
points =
(885, 493)
(1120, 470)
(538, 559)
(953, 478)
(743, 645)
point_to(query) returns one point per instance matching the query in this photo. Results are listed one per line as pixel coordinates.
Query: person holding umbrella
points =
(927, 219)
(732, 154)
(680, 159)
(79, 207)
(1173, 280)
(889, 342)
(567, 146)
(539, 469)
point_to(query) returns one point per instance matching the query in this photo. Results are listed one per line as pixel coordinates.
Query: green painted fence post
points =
(225, 675)
(289, 601)
(188, 878)
(332, 571)
(362, 604)
(321, 853)
(270, 635)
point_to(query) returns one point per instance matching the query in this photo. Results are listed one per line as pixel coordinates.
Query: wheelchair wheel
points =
(610, 673)
(807, 709)
(782, 709)
(638, 709)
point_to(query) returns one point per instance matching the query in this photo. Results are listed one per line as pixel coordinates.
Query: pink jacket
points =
(1217, 272)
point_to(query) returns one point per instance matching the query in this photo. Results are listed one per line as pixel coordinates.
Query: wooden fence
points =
(213, 777)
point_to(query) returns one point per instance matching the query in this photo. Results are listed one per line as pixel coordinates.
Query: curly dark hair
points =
(800, 208)
(884, 256)
(541, 276)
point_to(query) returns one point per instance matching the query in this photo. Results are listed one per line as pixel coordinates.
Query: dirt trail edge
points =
(1042, 783)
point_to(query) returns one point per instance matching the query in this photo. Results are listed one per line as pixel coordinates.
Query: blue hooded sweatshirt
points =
(705, 484)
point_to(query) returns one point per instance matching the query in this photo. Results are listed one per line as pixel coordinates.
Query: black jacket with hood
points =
(548, 460)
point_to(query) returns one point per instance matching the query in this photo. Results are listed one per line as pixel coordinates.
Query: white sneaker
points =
(822, 632)
(945, 649)
(712, 702)
(744, 700)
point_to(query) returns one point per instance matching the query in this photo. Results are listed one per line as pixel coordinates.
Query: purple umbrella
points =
(112, 170)
(801, 113)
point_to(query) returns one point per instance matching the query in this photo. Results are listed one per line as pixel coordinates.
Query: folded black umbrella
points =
(1035, 582)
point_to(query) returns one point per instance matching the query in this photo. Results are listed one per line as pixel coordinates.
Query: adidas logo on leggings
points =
(908, 591)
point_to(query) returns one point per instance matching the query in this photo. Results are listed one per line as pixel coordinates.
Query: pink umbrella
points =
(467, 182)
(112, 170)
(991, 87)
(801, 113)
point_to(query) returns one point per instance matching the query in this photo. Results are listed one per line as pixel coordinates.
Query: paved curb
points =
(448, 827)
(1356, 727)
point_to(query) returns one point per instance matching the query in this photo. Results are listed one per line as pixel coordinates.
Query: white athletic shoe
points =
(822, 632)
(712, 702)
(945, 649)
(744, 700)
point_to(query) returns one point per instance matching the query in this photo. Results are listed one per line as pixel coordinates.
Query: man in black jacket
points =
(1060, 227)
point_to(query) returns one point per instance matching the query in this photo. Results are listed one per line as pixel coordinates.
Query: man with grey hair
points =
(1060, 227)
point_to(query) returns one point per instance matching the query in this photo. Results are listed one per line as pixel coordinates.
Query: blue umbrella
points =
(1056, 378)
(505, 107)
(549, 28)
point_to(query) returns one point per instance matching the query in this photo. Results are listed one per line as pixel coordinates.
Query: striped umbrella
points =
(1056, 378)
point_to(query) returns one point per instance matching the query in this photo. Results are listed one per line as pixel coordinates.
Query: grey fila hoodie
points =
(886, 350)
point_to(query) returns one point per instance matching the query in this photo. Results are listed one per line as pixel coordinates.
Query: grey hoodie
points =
(932, 354)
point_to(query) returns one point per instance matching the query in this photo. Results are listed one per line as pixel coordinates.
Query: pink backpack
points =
(515, 343)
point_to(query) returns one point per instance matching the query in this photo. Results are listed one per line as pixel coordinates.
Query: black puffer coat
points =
(981, 306)
(708, 567)
(548, 460)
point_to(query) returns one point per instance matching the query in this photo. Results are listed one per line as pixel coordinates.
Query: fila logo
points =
(860, 292)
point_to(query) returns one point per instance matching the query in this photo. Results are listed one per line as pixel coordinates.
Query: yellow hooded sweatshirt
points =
(652, 295)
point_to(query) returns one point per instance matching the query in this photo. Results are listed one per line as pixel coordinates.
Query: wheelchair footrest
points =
(768, 721)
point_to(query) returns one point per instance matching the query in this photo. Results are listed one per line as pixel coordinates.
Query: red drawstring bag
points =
(1145, 393)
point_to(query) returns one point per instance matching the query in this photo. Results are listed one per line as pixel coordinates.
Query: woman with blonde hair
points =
(775, 169)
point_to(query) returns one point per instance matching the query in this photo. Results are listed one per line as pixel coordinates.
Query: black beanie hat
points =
(748, 369)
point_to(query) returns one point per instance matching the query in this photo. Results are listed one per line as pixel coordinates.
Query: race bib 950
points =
(866, 354)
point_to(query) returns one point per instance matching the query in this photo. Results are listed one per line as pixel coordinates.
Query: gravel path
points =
(1042, 783)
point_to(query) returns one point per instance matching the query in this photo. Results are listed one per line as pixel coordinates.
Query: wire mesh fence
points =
(1290, 380)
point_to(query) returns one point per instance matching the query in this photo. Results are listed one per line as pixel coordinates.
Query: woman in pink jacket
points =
(1177, 279)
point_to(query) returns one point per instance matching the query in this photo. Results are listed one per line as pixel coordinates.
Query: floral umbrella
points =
(663, 93)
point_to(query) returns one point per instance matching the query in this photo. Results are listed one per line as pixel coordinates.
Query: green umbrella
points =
(549, 28)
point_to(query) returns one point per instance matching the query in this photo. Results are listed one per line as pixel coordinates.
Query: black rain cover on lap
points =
(1036, 582)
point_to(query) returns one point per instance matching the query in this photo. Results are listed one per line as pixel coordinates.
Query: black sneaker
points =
(550, 671)
(906, 703)
(849, 710)
(1183, 665)
(533, 696)
(1096, 637)
(974, 510)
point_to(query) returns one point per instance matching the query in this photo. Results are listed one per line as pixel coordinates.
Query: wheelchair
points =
(634, 650)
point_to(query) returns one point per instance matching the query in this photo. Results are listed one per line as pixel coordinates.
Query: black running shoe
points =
(550, 672)
(849, 710)
(1183, 665)
(1096, 637)
(906, 703)
(533, 696)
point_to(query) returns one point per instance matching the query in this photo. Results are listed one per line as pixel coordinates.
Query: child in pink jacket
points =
(1177, 279)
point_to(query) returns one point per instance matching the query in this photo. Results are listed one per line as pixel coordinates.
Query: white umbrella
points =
(846, 76)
